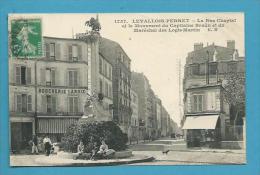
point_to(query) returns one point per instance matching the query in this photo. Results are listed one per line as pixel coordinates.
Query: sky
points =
(158, 55)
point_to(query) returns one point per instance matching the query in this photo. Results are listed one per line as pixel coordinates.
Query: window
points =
(198, 103)
(73, 78)
(110, 73)
(22, 75)
(23, 103)
(110, 91)
(195, 69)
(52, 51)
(100, 65)
(51, 104)
(202, 68)
(50, 77)
(74, 53)
(100, 86)
(212, 68)
(106, 89)
(73, 104)
(105, 69)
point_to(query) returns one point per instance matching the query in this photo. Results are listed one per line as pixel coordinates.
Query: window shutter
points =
(80, 52)
(70, 104)
(193, 105)
(53, 77)
(76, 104)
(18, 74)
(29, 103)
(57, 51)
(28, 75)
(47, 47)
(43, 72)
(75, 78)
(79, 81)
(44, 104)
(70, 77)
(19, 103)
(56, 77)
(70, 52)
(54, 104)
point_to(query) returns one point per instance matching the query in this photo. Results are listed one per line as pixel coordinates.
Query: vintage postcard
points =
(126, 88)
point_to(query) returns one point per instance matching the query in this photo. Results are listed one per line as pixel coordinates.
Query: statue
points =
(94, 24)
(93, 108)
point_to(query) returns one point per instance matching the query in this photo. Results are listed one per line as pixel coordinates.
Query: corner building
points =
(47, 94)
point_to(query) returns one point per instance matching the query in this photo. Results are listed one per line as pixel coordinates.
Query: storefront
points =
(22, 129)
(202, 131)
(55, 126)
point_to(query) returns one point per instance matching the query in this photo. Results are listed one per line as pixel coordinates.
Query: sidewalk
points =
(54, 160)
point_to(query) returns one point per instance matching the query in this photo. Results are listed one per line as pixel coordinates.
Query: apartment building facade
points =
(207, 113)
(48, 94)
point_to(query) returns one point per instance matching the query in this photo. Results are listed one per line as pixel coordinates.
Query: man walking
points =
(47, 145)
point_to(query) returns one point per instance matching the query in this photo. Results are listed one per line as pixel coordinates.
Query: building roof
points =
(222, 54)
(110, 49)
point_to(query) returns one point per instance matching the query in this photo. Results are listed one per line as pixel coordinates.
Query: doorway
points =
(21, 134)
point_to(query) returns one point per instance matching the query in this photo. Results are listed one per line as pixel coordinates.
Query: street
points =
(178, 156)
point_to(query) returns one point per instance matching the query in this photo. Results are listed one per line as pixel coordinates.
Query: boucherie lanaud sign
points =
(61, 91)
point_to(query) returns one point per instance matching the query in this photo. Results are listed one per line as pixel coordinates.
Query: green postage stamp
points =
(26, 38)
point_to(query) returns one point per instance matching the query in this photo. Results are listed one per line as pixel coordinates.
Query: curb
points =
(90, 164)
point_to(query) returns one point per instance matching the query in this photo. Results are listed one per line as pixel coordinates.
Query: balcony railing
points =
(60, 113)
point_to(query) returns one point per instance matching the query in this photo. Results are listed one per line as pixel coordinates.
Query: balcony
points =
(60, 114)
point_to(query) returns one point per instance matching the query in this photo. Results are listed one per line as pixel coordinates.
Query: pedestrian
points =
(104, 151)
(94, 151)
(35, 145)
(47, 145)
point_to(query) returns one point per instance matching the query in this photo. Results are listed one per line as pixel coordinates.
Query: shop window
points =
(22, 75)
(73, 104)
(73, 78)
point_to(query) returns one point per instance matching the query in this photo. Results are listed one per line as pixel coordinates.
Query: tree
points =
(90, 132)
(234, 94)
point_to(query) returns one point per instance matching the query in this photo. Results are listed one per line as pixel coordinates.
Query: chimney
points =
(231, 44)
(198, 46)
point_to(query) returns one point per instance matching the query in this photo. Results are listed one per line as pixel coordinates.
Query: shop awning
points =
(54, 125)
(201, 122)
